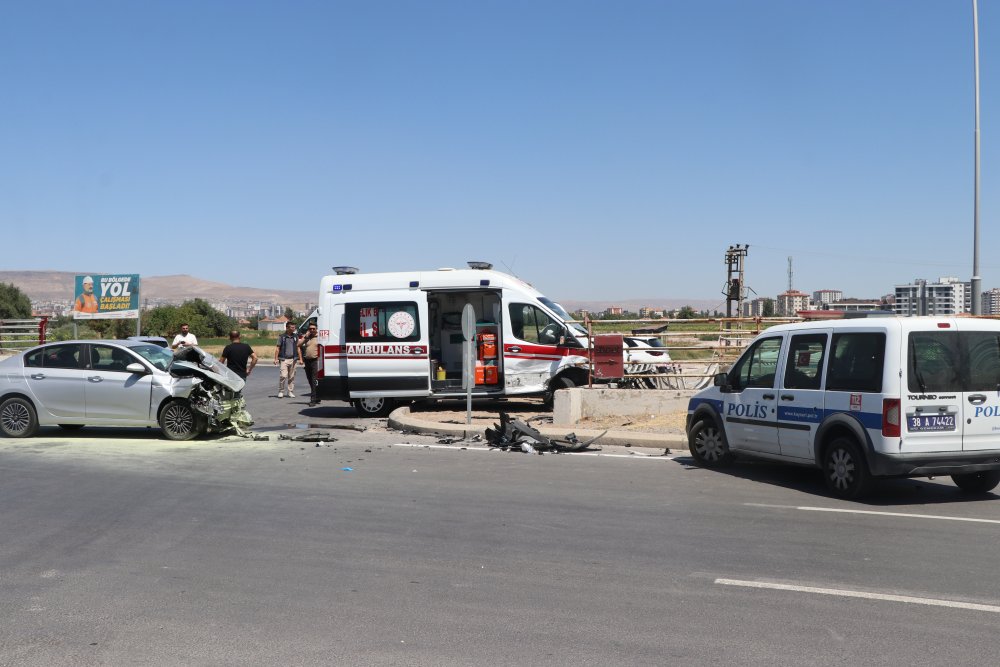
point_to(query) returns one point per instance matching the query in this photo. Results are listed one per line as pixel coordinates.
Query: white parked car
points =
(74, 384)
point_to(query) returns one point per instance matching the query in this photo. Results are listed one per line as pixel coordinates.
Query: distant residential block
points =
(947, 296)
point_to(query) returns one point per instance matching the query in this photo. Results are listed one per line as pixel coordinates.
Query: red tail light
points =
(319, 362)
(890, 417)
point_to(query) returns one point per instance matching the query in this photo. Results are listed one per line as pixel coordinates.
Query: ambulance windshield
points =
(563, 315)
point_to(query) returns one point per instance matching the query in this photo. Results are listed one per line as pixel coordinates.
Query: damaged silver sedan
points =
(74, 384)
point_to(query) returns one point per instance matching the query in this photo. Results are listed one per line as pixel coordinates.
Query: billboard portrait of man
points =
(87, 301)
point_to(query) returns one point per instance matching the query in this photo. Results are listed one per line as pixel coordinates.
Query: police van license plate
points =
(931, 423)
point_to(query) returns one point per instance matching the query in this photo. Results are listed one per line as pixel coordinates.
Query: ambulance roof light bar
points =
(345, 270)
(481, 266)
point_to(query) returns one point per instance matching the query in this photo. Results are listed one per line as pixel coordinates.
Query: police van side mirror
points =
(721, 380)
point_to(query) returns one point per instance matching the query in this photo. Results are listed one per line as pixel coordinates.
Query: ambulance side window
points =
(382, 322)
(528, 323)
(757, 367)
(804, 363)
(856, 362)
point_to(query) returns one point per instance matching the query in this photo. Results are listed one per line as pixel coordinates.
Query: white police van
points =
(387, 338)
(861, 399)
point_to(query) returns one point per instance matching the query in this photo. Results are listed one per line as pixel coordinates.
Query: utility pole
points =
(977, 284)
(735, 286)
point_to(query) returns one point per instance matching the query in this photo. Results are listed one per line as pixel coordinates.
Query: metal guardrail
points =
(731, 336)
(20, 334)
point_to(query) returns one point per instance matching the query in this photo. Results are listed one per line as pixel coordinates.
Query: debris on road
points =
(309, 436)
(515, 434)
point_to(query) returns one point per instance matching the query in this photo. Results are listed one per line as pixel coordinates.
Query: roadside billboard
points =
(106, 297)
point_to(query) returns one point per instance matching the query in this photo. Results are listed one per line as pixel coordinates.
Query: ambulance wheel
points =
(561, 382)
(845, 470)
(977, 482)
(374, 406)
(708, 445)
(18, 418)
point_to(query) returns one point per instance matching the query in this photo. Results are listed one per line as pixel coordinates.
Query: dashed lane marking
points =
(909, 599)
(936, 517)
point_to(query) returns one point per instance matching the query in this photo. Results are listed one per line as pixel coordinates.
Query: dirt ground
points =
(486, 414)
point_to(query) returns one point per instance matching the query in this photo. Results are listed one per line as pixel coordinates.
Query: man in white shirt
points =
(184, 339)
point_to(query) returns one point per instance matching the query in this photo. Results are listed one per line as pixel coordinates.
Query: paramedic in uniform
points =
(285, 355)
(86, 302)
(309, 358)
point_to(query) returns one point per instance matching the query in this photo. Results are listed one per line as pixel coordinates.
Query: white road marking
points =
(651, 457)
(937, 517)
(933, 602)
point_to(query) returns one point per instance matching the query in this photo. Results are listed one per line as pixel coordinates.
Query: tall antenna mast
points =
(789, 274)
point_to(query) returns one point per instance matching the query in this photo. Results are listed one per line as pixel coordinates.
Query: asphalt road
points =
(228, 552)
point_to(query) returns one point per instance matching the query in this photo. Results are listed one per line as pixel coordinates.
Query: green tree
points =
(768, 308)
(14, 304)
(289, 313)
(686, 313)
(204, 320)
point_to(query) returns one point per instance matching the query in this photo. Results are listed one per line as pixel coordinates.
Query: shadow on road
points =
(892, 492)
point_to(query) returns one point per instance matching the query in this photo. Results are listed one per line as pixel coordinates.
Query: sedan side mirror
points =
(136, 367)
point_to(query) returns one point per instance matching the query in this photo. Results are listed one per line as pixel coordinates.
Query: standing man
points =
(239, 357)
(309, 357)
(185, 338)
(285, 354)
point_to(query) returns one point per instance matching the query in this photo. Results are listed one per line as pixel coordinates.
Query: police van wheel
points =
(977, 482)
(708, 445)
(845, 470)
(373, 406)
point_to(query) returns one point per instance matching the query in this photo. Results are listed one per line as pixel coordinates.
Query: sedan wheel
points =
(18, 418)
(179, 421)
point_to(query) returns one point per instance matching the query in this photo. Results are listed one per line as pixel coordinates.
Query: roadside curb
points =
(403, 420)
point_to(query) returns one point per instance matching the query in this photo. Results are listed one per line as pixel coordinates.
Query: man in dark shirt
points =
(239, 357)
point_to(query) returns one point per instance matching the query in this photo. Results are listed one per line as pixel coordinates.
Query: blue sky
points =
(599, 150)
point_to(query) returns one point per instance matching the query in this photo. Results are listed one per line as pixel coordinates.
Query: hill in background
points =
(58, 286)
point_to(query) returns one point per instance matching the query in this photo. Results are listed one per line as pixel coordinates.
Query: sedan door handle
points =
(514, 348)
(977, 399)
(787, 397)
(96, 378)
(38, 376)
(768, 397)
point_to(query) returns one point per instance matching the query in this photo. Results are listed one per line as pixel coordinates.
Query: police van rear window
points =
(946, 361)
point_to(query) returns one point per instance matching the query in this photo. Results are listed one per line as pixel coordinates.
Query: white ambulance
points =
(388, 338)
(860, 399)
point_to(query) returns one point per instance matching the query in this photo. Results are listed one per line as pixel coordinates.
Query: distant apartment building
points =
(754, 308)
(948, 296)
(854, 305)
(991, 302)
(825, 297)
(789, 303)
(613, 310)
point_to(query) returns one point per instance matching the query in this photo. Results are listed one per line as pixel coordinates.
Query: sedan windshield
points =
(154, 354)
